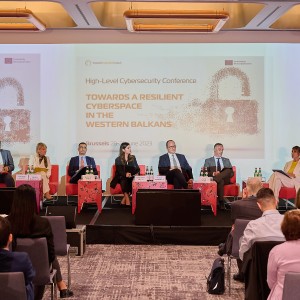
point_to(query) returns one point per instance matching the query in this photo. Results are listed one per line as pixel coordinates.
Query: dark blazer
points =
(210, 164)
(164, 165)
(18, 262)
(74, 165)
(40, 227)
(121, 170)
(7, 159)
(246, 209)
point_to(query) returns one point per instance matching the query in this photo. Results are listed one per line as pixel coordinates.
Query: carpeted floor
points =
(144, 272)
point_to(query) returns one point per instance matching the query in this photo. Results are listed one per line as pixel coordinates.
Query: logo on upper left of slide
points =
(14, 119)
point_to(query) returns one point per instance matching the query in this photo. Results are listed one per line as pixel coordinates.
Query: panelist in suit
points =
(7, 163)
(80, 161)
(126, 168)
(175, 167)
(15, 261)
(220, 169)
(292, 168)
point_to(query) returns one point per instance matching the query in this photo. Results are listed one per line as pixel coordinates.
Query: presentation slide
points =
(242, 95)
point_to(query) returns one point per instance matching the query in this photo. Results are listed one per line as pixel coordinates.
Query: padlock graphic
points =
(230, 116)
(14, 122)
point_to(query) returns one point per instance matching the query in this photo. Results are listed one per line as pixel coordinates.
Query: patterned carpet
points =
(144, 272)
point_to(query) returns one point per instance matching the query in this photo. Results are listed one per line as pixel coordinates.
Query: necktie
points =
(174, 162)
(81, 162)
(218, 165)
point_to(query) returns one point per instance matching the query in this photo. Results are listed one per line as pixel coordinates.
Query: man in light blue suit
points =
(220, 169)
(7, 163)
(175, 167)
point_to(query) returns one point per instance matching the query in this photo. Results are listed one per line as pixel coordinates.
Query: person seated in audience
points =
(25, 223)
(7, 166)
(41, 165)
(15, 261)
(285, 257)
(175, 167)
(80, 161)
(265, 228)
(292, 168)
(126, 168)
(220, 169)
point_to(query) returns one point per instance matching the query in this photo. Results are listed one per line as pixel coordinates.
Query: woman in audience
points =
(25, 223)
(126, 168)
(41, 165)
(285, 257)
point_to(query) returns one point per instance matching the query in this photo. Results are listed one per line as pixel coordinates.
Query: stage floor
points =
(116, 225)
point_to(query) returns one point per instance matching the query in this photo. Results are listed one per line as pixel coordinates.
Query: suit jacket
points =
(74, 165)
(121, 170)
(18, 262)
(164, 165)
(210, 164)
(40, 227)
(7, 159)
(246, 209)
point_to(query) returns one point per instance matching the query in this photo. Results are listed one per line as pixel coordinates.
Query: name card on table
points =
(88, 177)
(204, 179)
(139, 178)
(22, 177)
(34, 177)
(159, 178)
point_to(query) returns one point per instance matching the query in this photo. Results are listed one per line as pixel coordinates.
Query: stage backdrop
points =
(242, 95)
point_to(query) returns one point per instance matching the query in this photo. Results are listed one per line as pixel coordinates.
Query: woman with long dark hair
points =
(126, 168)
(25, 223)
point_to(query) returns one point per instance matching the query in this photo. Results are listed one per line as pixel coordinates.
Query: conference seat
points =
(12, 286)
(288, 195)
(72, 188)
(232, 189)
(37, 250)
(291, 286)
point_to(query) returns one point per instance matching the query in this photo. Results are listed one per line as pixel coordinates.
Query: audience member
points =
(126, 168)
(265, 228)
(80, 161)
(25, 223)
(7, 164)
(175, 167)
(41, 165)
(292, 168)
(220, 169)
(15, 261)
(284, 257)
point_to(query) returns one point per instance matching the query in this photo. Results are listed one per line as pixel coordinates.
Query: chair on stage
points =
(72, 188)
(237, 233)
(291, 286)
(37, 250)
(232, 189)
(117, 191)
(62, 248)
(288, 195)
(12, 286)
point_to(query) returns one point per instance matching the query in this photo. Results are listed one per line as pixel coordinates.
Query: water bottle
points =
(255, 172)
(32, 169)
(205, 172)
(28, 169)
(87, 171)
(151, 174)
(91, 170)
(259, 173)
(147, 173)
(202, 172)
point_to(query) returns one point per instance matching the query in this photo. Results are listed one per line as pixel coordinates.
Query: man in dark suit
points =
(246, 209)
(220, 169)
(7, 163)
(15, 261)
(77, 163)
(175, 167)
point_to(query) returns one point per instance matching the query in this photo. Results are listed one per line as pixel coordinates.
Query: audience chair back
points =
(239, 227)
(37, 250)
(288, 195)
(291, 286)
(12, 286)
(58, 226)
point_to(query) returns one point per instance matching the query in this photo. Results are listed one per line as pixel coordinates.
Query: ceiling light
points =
(20, 20)
(175, 20)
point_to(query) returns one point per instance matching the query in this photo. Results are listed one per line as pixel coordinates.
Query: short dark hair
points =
(290, 225)
(167, 142)
(5, 231)
(218, 144)
(265, 196)
(296, 148)
(82, 143)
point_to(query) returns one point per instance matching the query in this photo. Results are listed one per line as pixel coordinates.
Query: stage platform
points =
(116, 225)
